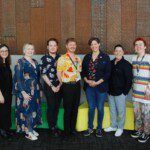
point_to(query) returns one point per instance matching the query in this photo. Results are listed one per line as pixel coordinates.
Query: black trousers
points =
(53, 104)
(71, 100)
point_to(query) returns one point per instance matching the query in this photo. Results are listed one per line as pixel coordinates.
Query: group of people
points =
(61, 75)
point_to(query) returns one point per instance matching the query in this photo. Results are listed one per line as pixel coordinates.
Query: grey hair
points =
(26, 46)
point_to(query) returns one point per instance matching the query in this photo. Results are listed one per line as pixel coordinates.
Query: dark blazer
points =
(120, 81)
(102, 71)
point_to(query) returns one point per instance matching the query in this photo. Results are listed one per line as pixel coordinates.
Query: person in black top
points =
(52, 86)
(120, 83)
(5, 91)
(95, 71)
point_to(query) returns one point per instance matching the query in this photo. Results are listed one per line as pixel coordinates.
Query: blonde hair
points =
(26, 46)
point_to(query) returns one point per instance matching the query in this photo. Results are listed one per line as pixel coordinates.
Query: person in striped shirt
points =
(141, 91)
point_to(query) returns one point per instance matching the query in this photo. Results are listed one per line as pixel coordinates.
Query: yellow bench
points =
(82, 119)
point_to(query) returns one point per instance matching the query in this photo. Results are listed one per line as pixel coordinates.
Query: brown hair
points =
(52, 39)
(70, 40)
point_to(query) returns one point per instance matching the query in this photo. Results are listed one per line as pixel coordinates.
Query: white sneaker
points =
(35, 133)
(118, 132)
(31, 136)
(110, 129)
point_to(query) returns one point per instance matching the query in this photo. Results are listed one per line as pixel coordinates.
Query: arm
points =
(19, 78)
(2, 100)
(128, 76)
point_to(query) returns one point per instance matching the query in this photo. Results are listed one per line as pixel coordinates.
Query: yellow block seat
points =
(82, 119)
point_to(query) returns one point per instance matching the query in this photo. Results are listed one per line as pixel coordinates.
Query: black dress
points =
(6, 89)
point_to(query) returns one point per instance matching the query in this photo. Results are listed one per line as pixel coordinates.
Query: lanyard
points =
(138, 66)
(73, 62)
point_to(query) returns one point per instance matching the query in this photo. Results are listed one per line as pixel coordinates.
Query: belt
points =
(71, 82)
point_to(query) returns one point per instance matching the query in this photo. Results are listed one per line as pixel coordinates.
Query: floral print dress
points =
(26, 78)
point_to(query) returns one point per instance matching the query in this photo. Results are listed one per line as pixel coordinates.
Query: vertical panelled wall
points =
(35, 21)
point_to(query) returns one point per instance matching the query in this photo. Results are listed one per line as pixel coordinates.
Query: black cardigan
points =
(102, 71)
(120, 81)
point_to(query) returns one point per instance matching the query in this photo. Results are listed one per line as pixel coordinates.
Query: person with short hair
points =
(68, 71)
(96, 69)
(51, 86)
(5, 92)
(26, 87)
(141, 91)
(120, 83)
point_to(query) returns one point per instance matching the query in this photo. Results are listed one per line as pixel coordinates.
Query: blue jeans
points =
(95, 99)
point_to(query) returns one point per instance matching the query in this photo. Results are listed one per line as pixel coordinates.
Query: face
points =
(95, 46)
(29, 51)
(71, 47)
(118, 52)
(52, 47)
(4, 52)
(139, 47)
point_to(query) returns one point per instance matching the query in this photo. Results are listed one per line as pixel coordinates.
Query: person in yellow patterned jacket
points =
(68, 72)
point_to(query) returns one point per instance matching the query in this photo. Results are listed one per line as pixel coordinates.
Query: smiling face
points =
(95, 46)
(52, 47)
(71, 46)
(118, 53)
(4, 52)
(139, 47)
(29, 50)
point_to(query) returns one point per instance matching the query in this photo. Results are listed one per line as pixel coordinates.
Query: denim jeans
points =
(95, 99)
(117, 106)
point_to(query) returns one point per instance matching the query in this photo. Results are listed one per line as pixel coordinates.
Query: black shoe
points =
(4, 134)
(88, 132)
(98, 133)
(74, 133)
(143, 138)
(54, 133)
(136, 134)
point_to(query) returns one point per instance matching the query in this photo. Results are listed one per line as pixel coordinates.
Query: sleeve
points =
(60, 64)
(107, 69)
(128, 76)
(43, 66)
(84, 69)
(18, 77)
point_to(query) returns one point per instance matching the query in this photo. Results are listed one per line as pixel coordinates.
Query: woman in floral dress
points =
(27, 90)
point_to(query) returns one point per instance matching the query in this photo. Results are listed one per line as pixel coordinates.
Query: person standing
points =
(141, 91)
(26, 87)
(68, 71)
(96, 69)
(52, 86)
(120, 83)
(5, 91)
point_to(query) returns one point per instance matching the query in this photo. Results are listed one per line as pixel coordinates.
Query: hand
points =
(2, 100)
(55, 89)
(26, 96)
(41, 94)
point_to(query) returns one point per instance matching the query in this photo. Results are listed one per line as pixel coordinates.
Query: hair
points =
(8, 59)
(140, 39)
(118, 45)
(26, 46)
(70, 40)
(52, 39)
(93, 39)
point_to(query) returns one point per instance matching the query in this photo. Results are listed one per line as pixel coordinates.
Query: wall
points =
(35, 21)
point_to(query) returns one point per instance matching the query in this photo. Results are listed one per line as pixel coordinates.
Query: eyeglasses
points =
(3, 51)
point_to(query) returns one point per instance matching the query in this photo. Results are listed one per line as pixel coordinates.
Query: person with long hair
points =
(5, 91)
(26, 87)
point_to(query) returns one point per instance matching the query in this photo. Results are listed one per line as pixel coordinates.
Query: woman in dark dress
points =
(27, 91)
(5, 91)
